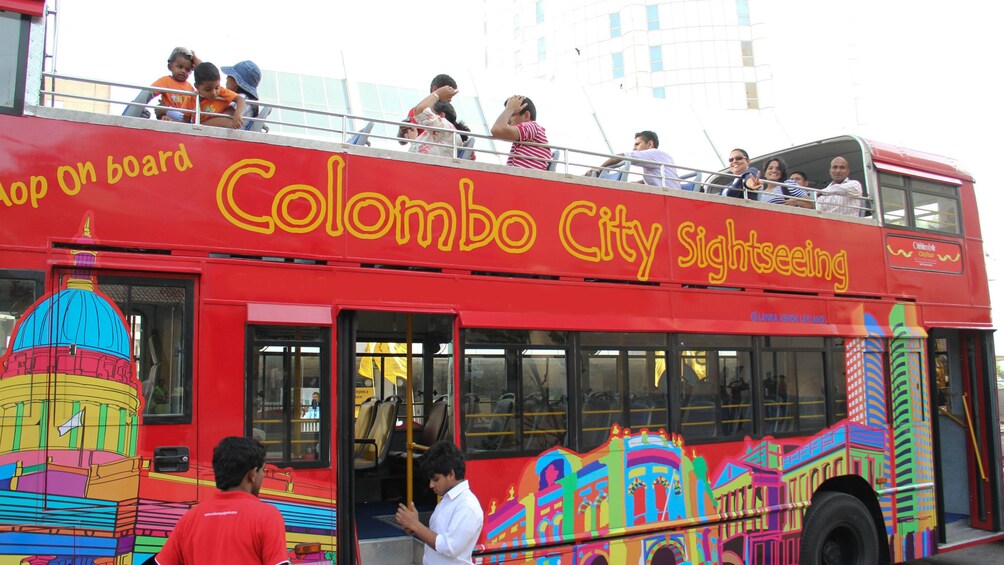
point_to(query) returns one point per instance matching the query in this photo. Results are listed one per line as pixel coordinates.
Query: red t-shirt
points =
(232, 527)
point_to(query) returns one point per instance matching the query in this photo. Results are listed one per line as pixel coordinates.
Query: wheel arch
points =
(859, 488)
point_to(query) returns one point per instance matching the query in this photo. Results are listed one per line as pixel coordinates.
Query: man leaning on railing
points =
(657, 165)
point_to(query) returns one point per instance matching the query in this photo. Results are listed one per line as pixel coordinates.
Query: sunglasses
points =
(734, 159)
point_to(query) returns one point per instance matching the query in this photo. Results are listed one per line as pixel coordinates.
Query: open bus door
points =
(395, 371)
(967, 435)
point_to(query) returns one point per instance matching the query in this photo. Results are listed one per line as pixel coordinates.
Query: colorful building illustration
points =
(750, 509)
(73, 487)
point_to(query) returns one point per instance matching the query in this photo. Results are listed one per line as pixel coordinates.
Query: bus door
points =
(967, 442)
(395, 370)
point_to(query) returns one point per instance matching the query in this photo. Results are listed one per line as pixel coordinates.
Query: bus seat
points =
(362, 137)
(641, 411)
(137, 108)
(376, 444)
(699, 419)
(618, 171)
(364, 420)
(258, 122)
(436, 424)
(694, 185)
(555, 155)
(467, 151)
(150, 383)
(597, 408)
(499, 432)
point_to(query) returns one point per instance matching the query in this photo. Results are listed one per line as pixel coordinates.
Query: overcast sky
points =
(921, 73)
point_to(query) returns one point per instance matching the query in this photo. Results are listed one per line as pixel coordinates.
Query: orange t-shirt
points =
(224, 98)
(173, 100)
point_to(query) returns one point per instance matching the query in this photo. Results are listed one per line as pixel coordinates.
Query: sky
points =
(916, 73)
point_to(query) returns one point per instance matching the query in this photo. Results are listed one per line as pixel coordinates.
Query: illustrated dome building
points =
(69, 397)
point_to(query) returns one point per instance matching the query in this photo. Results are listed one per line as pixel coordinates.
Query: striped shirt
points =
(774, 194)
(534, 132)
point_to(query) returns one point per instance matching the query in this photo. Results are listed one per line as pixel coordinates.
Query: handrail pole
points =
(409, 420)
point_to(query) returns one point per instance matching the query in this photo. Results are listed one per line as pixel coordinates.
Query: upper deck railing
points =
(355, 129)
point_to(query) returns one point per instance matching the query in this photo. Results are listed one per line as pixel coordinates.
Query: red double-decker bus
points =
(634, 375)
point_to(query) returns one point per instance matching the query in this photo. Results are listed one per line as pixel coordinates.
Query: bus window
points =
(287, 384)
(488, 421)
(794, 397)
(17, 294)
(919, 204)
(545, 398)
(839, 376)
(718, 403)
(158, 313)
(515, 384)
(13, 54)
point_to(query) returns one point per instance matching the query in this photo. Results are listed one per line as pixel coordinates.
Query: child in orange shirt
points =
(180, 64)
(215, 99)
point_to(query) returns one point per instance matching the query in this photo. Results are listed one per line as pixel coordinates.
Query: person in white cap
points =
(243, 78)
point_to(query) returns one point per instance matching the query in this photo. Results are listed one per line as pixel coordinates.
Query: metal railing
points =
(565, 160)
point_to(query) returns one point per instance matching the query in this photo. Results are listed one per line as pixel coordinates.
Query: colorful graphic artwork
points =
(662, 504)
(74, 487)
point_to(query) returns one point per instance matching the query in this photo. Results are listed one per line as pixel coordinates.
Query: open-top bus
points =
(633, 375)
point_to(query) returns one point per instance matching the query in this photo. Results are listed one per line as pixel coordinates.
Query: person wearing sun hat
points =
(243, 78)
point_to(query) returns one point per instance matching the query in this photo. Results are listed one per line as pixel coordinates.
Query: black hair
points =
(528, 107)
(649, 136)
(804, 176)
(442, 458)
(233, 457)
(743, 151)
(440, 81)
(206, 72)
(450, 113)
(780, 163)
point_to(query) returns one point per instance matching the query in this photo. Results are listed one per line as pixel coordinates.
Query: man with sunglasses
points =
(234, 526)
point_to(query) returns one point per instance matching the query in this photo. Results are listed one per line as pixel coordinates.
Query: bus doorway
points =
(395, 374)
(966, 435)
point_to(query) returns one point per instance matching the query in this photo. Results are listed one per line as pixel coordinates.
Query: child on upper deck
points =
(215, 99)
(243, 78)
(180, 64)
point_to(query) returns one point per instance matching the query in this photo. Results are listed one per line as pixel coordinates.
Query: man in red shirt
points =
(234, 526)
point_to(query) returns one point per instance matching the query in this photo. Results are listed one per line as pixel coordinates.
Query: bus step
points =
(403, 550)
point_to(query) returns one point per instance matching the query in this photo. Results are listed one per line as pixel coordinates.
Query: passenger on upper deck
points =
(800, 178)
(243, 78)
(436, 111)
(180, 64)
(518, 123)
(646, 148)
(746, 176)
(404, 132)
(788, 192)
(215, 99)
(843, 195)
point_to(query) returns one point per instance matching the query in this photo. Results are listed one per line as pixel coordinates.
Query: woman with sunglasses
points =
(746, 177)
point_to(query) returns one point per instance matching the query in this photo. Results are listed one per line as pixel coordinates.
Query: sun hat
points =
(247, 74)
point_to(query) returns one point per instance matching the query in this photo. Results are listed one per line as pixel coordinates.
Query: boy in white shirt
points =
(456, 523)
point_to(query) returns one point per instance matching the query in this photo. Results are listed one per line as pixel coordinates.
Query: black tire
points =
(838, 530)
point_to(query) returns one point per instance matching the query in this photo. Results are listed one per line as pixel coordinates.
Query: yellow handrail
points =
(972, 436)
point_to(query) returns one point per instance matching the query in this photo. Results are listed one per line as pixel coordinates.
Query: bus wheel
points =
(838, 530)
